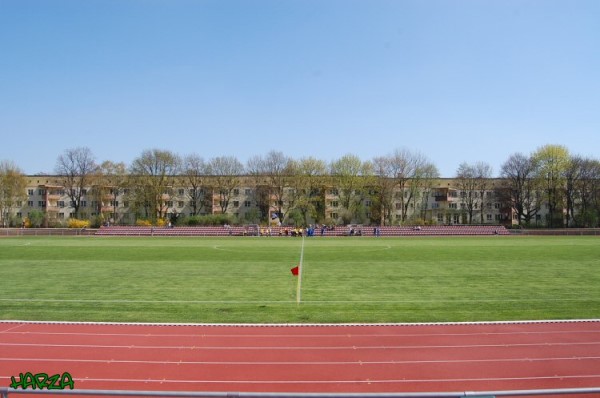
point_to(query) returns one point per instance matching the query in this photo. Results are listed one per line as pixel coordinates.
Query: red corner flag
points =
(295, 270)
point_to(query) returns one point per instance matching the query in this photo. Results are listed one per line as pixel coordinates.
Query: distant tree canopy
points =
(565, 186)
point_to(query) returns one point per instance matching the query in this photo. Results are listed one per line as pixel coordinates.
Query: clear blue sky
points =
(458, 80)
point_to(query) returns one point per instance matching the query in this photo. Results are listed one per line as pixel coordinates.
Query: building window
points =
(334, 203)
(41, 191)
(30, 203)
(496, 205)
(236, 192)
(452, 205)
(126, 204)
(180, 203)
(367, 203)
(181, 191)
(30, 192)
(169, 203)
(41, 203)
(334, 215)
(440, 217)
(84, 203)
(236, 203)
(488, 217)
(114, 203)
(247, 203)
(247, 191)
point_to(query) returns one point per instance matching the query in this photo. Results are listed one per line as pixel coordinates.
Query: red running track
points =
(357, 358)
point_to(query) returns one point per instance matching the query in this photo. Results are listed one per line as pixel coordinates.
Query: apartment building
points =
(441, 203)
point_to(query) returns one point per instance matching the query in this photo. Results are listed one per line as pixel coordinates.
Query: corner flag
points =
(295, 270)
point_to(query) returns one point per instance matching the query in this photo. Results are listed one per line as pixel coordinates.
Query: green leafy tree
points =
(552, 162)
(36, 218)
(13, 185)
(351, 176)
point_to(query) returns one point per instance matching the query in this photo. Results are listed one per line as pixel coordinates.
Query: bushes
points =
(75, 223)
(210, 219)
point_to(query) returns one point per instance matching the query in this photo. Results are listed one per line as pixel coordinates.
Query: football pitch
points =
(343, 280)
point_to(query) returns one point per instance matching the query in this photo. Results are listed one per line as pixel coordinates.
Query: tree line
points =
(565, 186)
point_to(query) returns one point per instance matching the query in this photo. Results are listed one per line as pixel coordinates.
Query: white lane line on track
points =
(310, 336)
(11, 330)
(368, 381)
(284, 348)
(306, 363)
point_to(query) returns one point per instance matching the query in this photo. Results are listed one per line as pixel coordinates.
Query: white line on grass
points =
(317, 302)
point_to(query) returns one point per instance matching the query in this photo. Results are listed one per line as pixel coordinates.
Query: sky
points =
(456, 80)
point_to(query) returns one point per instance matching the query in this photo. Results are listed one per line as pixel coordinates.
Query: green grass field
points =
(248, 280)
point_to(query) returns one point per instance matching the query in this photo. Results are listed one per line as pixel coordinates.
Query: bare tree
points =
(425, 179)
(383, 192)
(195, 172)
(483, 175)
(518, 187)
(573, 176)
(589, 210)
(466, 178)
(411, 170)
(111, 180)
(152, 175)
(277, 169)
(76, 167)
(226, 172)
(581, 191)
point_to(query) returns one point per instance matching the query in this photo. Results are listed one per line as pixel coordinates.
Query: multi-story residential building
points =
(442, 203)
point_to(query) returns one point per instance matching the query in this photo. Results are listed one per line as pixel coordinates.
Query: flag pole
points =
(300, 267)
